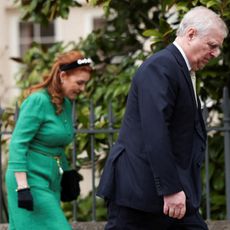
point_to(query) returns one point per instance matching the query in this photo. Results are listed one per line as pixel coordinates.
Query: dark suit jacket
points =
(162, 139)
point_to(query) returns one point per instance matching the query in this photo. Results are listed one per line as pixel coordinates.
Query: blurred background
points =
(118, 36)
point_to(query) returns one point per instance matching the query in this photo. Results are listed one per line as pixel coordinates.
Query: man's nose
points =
(215, 52)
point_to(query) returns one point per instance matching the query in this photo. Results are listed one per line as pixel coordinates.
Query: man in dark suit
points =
(151, 179)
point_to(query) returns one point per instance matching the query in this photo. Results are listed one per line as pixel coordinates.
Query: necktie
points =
(193, 77)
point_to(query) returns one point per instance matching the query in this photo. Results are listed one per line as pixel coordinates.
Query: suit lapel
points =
(176, 53)
(204, 133)
(196, 105)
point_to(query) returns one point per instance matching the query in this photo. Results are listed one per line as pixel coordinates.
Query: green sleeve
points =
(64, 162)
(30, 119)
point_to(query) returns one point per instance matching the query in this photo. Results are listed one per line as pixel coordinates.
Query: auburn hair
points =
(52, 81)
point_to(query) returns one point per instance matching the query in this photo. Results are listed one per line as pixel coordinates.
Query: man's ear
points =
(191, 33)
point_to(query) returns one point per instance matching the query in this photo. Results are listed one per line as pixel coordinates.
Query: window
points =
(98, 23)
(31, 32)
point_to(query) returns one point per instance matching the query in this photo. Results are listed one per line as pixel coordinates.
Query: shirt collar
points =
(183, 54)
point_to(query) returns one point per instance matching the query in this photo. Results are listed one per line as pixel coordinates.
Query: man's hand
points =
(175, 205)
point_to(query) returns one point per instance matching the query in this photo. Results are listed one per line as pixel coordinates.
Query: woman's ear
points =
(62, 76)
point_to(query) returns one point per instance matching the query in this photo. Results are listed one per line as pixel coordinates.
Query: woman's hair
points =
(52, 81)
(204, 20)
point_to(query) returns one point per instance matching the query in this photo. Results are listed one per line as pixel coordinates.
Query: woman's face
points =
(74, 83)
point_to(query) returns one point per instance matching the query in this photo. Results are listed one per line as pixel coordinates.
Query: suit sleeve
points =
(30, 118)
(157, 97)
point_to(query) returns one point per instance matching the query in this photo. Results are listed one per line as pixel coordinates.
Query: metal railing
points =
(225, 129)
(109, 131)
(92, 131)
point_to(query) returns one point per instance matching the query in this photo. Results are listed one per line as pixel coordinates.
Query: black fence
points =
(109, 131)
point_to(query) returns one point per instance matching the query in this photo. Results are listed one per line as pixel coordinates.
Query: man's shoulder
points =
(161, 57)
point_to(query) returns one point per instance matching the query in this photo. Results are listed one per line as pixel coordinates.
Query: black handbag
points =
(70, 188)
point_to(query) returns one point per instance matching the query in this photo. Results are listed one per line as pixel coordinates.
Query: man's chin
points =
(200, 67)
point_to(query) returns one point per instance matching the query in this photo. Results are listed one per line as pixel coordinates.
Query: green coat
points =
(38, 137)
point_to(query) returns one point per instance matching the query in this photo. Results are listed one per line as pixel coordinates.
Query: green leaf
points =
(33, 5)
(152, 32)
(46, 7)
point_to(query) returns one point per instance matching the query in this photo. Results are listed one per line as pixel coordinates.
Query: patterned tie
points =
(193, 77)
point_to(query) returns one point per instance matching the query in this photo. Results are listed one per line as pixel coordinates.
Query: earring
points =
(62, 81)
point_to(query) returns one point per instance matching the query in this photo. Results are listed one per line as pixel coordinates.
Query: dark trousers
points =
(124, 218)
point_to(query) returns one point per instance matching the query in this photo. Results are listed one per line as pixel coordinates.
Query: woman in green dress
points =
(36, 153)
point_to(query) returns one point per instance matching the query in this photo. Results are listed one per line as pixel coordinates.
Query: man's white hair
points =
(203, 20)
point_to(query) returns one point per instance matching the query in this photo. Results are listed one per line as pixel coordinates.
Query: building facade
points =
(16, 37)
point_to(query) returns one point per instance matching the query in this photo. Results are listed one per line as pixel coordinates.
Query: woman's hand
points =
(25, 199)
